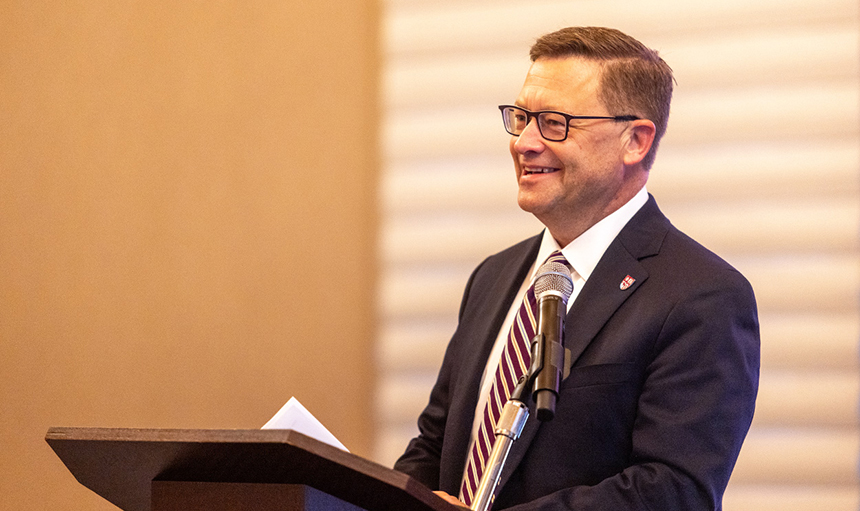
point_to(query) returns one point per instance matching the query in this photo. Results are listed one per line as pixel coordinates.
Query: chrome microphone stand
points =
(508, 429)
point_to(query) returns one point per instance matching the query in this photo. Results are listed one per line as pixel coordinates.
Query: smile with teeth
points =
(539, 170)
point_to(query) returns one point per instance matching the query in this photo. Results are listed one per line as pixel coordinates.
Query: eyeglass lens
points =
(552, 126)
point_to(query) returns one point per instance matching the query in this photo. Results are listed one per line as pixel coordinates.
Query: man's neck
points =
(571, 231)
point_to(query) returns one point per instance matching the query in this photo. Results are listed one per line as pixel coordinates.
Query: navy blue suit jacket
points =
(660, 395)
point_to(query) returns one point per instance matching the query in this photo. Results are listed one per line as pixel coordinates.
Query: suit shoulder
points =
(660, 246)
(686, 259)
(682, 246)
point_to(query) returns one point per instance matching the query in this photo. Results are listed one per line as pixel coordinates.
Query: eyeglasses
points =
(553, 126)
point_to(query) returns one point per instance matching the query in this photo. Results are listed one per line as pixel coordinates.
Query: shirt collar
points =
(585, 252)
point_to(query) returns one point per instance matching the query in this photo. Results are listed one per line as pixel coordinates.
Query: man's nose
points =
(530, 139)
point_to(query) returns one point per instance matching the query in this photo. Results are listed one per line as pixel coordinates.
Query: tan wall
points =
(187, 222)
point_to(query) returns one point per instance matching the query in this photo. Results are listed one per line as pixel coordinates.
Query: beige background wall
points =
(186, 222)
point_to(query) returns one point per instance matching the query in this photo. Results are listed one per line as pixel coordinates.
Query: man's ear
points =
(639, 137)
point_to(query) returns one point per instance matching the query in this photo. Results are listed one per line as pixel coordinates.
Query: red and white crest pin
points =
(627, 282)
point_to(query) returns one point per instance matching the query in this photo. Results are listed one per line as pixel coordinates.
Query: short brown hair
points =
(634, 80)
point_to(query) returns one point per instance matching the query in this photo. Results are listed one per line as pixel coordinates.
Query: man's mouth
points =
(539, 170)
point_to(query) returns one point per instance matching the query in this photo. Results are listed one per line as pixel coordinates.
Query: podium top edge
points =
(179, 435)
(56, 435)
(143, 434)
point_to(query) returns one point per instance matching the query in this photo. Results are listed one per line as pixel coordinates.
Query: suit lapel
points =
(615, 279)
(497, 300)
(601, 297)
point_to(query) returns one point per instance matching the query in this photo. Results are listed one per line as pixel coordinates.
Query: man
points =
(663, 334)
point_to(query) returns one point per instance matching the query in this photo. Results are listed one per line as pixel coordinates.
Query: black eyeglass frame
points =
(567, 117)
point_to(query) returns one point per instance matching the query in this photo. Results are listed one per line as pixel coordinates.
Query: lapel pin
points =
(627, 282)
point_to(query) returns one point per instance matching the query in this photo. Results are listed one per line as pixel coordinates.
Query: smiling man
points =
(663, 334)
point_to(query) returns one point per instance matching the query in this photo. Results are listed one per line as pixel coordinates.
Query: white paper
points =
(296, 417)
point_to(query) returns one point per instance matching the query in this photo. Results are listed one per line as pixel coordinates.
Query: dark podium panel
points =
(231, 470)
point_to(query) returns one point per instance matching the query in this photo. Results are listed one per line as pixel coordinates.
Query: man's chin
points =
(531, 204)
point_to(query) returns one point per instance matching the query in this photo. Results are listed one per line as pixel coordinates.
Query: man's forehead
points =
(553, 83)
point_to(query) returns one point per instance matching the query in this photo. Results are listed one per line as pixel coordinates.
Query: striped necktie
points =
(513, 364)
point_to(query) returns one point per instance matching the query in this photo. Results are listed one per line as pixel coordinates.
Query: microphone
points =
(553, 287)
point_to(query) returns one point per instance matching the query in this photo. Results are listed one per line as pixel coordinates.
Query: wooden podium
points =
(232, 470)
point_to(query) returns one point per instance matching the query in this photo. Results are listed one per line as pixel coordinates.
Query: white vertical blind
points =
(760, 163)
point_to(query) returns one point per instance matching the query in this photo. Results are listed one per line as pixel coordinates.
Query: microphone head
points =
(553, 278)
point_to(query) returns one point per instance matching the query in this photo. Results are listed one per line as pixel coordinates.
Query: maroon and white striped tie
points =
(513, 364)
